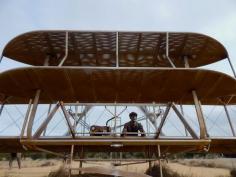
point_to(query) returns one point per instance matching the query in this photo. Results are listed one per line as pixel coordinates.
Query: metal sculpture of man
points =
(132, 127)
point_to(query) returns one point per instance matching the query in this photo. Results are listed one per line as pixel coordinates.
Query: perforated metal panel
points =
(135, 49)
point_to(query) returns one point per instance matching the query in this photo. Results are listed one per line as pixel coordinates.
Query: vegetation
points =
(63, 172)
(233, 173)
(155, 172)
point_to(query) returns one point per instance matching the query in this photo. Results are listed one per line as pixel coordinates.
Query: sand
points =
(37, 168)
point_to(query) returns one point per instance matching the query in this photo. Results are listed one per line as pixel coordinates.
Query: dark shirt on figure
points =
(130, 127)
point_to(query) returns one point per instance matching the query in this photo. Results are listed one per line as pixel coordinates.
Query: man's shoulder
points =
(140, 125)
(127, 123)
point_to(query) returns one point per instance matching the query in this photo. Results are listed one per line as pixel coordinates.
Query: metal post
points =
(203, 118)
(117, 49)
(147, 126)
(155, 118)
(32, 114)
(1, 58)
(186, 125)
(163, 120)
(71, 159)
(76, 113)
(43, 126)
(149, 157)
(232, 68)
(167, 50)
(26, 118)
(186, 63)
(115, 111)
(66, 114)
(81, 157)
(85, 117)
(182, 112)
(1, 109)
(46, 61)
(160, 163)
(49, 110)
(199, 115)
(66, 49)
(229, 120)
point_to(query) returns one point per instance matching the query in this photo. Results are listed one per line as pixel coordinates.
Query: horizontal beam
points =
(112, 141)
(114, 104)
(113, 159)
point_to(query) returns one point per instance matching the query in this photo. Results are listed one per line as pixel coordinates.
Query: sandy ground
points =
(198, 171)
(37, 168)
(229, 163)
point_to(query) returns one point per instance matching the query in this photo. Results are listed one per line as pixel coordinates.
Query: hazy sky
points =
(216, 18)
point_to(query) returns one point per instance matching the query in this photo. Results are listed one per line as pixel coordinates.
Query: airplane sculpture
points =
(116, 68)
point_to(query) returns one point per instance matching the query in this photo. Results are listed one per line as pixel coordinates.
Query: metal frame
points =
(31, 111)
(112, 104)
(66, 49)
(182, 112)
(26, 118)
(32, 114)
(184, 121)
(229, 120)
(1, 108)
(33, 140)
(168, 107)
(1, 58)
(201, 121)
(117, 49)
(3, 104)
(148, 117)
(49, 110)
(231, 66)
(43, 126)
(67, 116)
(167, 51)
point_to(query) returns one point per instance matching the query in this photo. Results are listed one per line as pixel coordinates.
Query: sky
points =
(216, 18)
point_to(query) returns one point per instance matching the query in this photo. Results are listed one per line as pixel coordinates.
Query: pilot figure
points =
(132, 127)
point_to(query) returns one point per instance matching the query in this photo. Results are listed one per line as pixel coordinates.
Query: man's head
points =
(133, 116)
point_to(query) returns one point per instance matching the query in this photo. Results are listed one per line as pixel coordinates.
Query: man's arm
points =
(124, 131)
(141, 130)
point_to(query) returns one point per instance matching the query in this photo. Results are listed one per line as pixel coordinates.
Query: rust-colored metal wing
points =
(106, 85)
(135, 49)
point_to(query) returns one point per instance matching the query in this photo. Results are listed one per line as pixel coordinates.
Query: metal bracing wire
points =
(58, 123)
(214, 123)
(99, 117)
(232, 67)
(9, 125)
(39, 118)
(176, 128)
(55, 126)
(19, 111)
(13, 119)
